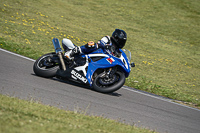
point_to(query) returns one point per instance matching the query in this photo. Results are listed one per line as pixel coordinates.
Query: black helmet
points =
(119, 38)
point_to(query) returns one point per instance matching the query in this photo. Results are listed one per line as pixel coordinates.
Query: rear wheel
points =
(45, 66)
(105, 84)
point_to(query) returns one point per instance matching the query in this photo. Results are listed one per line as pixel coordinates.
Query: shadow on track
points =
(78, 85)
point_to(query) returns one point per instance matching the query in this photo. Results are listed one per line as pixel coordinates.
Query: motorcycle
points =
(101, 71)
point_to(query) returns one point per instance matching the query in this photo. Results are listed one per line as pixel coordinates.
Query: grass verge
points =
(26, 116)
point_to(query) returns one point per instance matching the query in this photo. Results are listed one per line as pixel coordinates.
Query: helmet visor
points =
(118, 43)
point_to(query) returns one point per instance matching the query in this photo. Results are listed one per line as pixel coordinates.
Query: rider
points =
(110, 45)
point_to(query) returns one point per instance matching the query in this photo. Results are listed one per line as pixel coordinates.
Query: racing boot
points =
(70, 56)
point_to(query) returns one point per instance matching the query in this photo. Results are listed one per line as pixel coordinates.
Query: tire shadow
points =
(115, 94)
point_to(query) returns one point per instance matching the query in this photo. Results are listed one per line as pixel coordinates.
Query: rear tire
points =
(97, 86)
(43, 68)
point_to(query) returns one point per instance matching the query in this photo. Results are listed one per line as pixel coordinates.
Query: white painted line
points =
(17, 55)
(146, 94)
(160, 98)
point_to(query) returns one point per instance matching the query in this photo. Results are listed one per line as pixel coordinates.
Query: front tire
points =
(98, 86)
(44, 67)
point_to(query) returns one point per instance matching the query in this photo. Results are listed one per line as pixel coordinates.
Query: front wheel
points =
(45, 66)
(107, 85)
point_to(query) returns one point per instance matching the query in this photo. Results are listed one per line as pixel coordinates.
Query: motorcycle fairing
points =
(73, 74)
(106, 61)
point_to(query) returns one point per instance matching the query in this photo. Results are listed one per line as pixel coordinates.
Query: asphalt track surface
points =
(125, 105)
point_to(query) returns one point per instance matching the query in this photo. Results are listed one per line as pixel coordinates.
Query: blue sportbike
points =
(103, 72)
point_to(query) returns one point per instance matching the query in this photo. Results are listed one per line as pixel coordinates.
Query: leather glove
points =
(90, 44)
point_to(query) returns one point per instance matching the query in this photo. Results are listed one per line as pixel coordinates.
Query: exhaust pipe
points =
(58, 50)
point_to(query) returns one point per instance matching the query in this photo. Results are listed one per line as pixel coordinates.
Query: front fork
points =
(110, 72)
